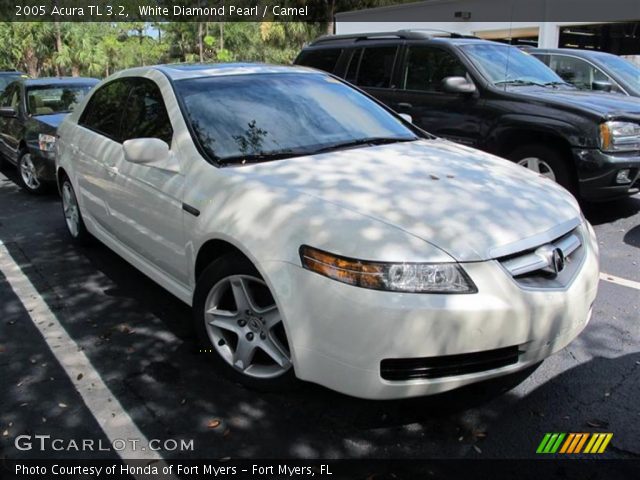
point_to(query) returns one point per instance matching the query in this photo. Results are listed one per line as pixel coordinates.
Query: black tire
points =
(32, 184)
(79, 235)
(221, 269)
(560, 165)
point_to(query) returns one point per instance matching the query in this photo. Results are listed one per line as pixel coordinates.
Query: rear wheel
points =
(240, 327)
(28, 175)
(546, 161)
(72, 215)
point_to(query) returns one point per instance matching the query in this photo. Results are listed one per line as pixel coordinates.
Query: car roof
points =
(179, 71)
(35, 82)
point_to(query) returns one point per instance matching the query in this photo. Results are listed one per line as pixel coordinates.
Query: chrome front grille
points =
(552, 265)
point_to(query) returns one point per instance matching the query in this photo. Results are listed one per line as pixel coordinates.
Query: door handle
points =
(112, 171)
(404, 105)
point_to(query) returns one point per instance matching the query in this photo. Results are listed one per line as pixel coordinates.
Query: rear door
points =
(457, 117)
(97, 151)
(372, 69)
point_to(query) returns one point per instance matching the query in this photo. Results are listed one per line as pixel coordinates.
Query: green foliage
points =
(100, 49)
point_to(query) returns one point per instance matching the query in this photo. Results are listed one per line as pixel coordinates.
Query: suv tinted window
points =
(426, 68)
(145, 115)
(376, 67)
(104, 110)
(10, 96)
(354, 63)
(322, 59)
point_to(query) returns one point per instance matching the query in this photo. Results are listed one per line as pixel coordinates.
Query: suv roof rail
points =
(408, 34)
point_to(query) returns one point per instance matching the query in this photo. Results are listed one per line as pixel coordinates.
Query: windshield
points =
(50, 99)
(261, 117)
(624, 69)
(503, 64)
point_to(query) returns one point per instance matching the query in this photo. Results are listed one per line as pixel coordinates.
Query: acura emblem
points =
(557, 260)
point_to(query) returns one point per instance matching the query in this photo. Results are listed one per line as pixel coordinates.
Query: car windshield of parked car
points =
(505, 65)
(50, 99)
(624, 69)
(261, 117)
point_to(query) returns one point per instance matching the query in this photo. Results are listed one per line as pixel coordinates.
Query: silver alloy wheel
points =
(243, 332)
(28, 172)
(71, 211)
(539, 166)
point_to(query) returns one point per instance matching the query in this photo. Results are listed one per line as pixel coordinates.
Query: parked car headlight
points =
(619, 136)
(46, 143)
(395, 277)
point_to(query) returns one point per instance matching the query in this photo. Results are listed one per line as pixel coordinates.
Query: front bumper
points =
(339, 335)
(44, 163)
(597, 171)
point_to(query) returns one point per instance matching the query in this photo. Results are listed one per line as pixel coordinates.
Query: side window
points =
(577, 71)
(426, 67)
(9, 97)
(103, 113)
(145, 114)
(354, 63)
(376, 67)
(325, 59)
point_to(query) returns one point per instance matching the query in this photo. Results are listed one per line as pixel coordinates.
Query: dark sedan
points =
(30, 112)
(590, 70)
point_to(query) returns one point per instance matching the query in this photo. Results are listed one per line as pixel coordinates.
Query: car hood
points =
(603, 104)
(54, 120)
(468, 203)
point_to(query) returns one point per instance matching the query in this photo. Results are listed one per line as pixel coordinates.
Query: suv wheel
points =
(28, 176)
(546, 161)
(239, 325)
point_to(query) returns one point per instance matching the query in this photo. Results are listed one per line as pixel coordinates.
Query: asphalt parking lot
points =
(139, 341)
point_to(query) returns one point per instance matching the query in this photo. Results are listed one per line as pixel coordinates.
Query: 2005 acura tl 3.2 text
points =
(319, 235)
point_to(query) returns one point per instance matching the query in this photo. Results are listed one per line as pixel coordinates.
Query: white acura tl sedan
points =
(318, 235)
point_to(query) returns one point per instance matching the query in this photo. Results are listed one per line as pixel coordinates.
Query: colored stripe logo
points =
(571, 443)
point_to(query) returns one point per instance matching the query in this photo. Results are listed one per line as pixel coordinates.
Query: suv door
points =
(372, 69)
(147, 208)
(457, 117)
(97, 151)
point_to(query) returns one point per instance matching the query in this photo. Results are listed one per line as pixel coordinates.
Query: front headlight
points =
(46, 143)
(619, 136)
(395, 277)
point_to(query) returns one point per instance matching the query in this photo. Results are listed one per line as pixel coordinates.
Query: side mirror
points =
(8, 112)
(602, 86)
(458, 85)
(407, 117)
(151, 152)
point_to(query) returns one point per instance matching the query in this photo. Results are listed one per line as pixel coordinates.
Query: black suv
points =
(496, 98)
(30, 112)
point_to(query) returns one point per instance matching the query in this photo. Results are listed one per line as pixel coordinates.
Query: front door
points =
(147, 206)
(454, 116)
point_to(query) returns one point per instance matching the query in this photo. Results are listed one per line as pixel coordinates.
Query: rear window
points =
(376, 67)
(325, 59)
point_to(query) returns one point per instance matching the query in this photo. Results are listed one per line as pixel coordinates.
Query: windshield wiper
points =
(558, 84)
(518, 81)
(261, 157)
(362, 141)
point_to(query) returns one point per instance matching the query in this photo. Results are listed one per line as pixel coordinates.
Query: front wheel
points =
(240, 327)
(28, 175)
(548, 162)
